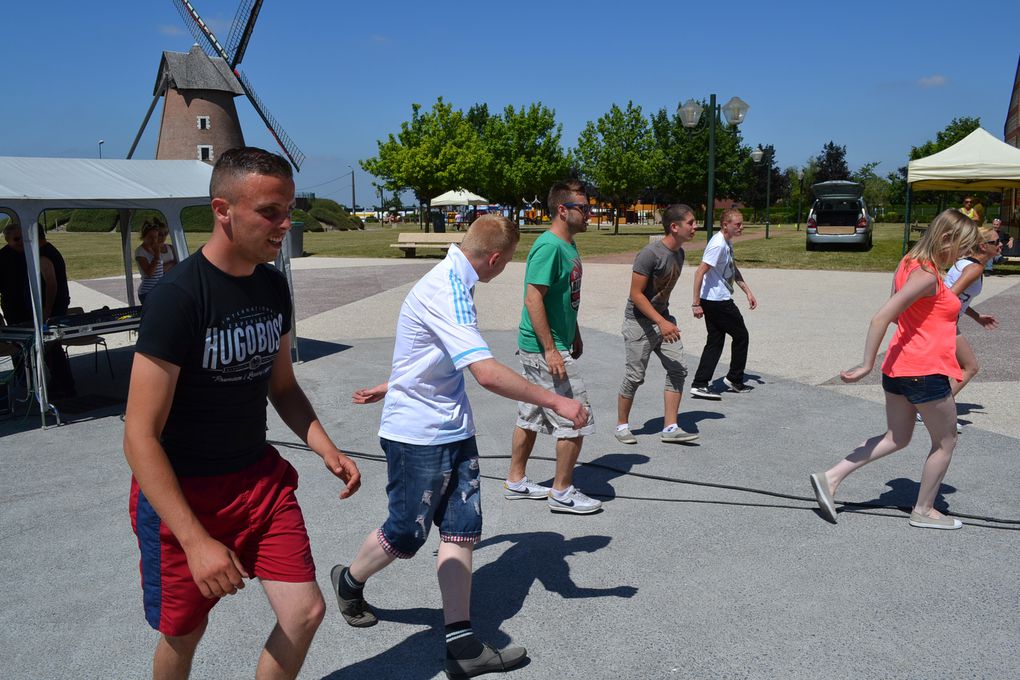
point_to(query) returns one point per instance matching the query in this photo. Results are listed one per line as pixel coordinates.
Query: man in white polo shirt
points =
(427, 432)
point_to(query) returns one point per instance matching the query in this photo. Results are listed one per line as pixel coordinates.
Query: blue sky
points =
(877, 77)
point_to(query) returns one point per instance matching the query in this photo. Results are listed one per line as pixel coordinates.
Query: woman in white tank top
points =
(965, 278)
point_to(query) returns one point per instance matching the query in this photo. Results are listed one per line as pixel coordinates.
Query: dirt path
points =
(628, 258)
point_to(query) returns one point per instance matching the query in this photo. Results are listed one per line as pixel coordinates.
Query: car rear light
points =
(862, 224)
(812, 225)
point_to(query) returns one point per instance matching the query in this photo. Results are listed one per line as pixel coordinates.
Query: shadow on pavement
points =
(502, 586)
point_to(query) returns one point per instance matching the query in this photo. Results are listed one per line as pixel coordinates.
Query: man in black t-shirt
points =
(211, 502)
(15, 302)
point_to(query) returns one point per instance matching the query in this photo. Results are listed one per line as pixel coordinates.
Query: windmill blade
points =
(296, 156)
(160, 91)
(202, 33)
(240, 33)
(199, 28)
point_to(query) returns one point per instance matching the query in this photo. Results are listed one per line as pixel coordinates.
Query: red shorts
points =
(253, 512)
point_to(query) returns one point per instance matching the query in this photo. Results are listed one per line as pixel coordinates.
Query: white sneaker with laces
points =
(625, 436)
(527, 490)
(705, 393)
(574, 502)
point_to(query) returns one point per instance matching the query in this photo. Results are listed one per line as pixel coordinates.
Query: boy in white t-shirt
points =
(713, 299)
(428, 434)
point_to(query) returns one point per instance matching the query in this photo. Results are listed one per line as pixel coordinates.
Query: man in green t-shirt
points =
(549, 344)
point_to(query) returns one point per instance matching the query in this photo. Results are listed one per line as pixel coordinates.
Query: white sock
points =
(560, 495)
(625, 426)
(672, 427)
(517, 486)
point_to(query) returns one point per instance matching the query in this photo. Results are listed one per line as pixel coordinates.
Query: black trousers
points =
(722, 319)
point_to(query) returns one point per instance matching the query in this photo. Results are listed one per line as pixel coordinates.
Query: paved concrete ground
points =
(682, 576)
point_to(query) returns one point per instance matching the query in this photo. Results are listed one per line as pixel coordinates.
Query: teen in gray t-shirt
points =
(662, 267)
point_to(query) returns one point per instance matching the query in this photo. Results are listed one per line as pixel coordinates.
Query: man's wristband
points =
(696, 305)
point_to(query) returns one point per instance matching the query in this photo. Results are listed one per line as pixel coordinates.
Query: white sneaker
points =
(959, 427)
(705, 393)
(574, 502)
(529, 490)
(677, 436)
(625, 436)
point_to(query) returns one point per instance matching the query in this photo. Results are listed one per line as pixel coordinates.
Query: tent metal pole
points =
(906, 222)
(124, 226)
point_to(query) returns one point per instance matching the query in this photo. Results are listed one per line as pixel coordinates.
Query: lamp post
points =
(800, 193)
(690, 113)
(101, 147)
(757, 155)
(354, 202)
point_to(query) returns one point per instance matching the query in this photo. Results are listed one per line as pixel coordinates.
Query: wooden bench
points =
(410, 242)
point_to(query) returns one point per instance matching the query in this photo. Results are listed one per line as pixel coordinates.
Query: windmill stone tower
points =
(199, 117)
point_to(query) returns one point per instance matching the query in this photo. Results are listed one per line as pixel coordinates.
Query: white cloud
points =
(937, 80)
(171, 30)
(381, 39)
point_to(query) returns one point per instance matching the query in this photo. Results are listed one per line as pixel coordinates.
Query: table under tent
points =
(30, 186)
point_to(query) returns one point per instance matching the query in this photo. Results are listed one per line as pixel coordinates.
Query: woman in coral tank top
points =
(918, 365)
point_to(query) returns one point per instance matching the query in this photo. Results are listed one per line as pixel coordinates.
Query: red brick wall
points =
(179, 134)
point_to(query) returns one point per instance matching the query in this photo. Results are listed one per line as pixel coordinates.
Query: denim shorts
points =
(918, 389)
(430, 484)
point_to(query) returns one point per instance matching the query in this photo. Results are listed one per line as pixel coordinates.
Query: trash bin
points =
(297, 239)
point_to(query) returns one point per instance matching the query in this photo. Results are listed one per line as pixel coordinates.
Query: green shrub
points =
(90, 220)
(310, 223)
(197, 218)
(333, 214)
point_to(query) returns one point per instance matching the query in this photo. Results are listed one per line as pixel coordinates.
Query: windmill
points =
(199, 117)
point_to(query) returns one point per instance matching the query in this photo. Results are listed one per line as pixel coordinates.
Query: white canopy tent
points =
(978, 162)
(29, 186)
(458, 197)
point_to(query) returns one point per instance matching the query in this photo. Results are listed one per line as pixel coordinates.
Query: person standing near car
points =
(713, 299)
(649, 327)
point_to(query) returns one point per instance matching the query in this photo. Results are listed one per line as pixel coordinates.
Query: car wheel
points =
(811, 246)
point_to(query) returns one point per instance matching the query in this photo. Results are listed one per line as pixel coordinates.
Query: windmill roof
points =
(195, 70)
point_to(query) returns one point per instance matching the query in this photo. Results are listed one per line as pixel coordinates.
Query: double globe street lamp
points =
(757, 155)
(735, 110)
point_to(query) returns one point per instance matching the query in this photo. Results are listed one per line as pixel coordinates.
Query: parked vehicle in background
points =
(839, 216)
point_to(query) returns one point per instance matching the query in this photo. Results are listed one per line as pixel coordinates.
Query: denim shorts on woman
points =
(918, 389)
(430, 484)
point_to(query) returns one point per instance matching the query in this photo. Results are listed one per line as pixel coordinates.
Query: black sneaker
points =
(355, 611)
(491, 660)
(704, 393)
(739, 388)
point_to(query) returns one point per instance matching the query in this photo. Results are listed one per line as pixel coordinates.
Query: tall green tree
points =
(617, 154)
(523, 155)
(761, 188)
(683, 172)
(435, 151)
(876, 188)
(831, 163)
(957, 129)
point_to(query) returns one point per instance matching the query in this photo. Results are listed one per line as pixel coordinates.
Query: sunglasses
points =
(583, 207)
(996, 242)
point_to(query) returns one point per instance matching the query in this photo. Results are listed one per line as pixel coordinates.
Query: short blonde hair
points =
(729, 213)
(949, 235)
(490, 234)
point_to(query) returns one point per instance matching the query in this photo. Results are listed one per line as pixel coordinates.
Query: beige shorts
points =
(545, 420)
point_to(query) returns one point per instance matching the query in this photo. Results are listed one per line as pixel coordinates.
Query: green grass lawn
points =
(94, 255)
